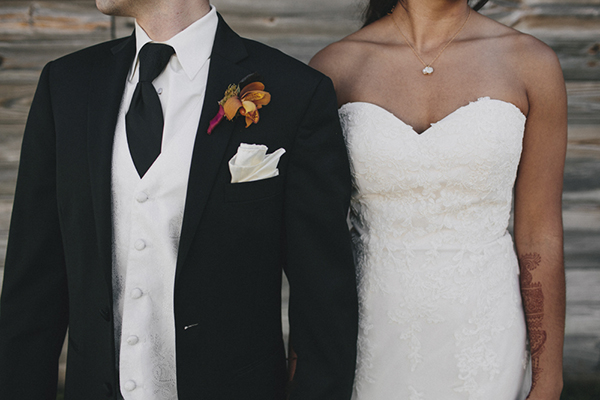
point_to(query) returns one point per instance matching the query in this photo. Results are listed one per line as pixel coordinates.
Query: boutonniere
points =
(245, 99)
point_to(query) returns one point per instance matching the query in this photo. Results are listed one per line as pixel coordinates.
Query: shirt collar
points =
(193, 45)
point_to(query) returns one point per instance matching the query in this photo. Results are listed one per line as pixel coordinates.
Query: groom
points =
(161, 246)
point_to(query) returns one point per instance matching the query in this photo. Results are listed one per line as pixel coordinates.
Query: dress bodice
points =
(450, 185)
(437, 272)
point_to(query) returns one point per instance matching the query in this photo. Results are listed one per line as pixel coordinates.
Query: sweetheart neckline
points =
(433, 124)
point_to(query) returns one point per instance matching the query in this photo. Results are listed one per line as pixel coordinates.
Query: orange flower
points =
(250, 100)
(243, 99)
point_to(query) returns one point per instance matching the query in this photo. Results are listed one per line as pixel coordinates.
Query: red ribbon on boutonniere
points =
(245, 99)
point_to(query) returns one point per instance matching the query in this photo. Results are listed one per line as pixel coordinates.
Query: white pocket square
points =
(252, 163)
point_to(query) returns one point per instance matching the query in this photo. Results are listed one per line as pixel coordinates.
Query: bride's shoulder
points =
(341, 59)
(528, 49)
(530, 63)
(538, 68)
(508, 42)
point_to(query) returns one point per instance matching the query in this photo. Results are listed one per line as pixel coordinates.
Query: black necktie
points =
(144, 120)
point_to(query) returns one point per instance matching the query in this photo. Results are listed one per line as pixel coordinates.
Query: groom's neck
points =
(160, 19)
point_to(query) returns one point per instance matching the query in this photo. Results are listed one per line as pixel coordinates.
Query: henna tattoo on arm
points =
(533, 302)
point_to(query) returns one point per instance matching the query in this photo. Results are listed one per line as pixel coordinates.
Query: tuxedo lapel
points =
(228, 50)
(106, 91)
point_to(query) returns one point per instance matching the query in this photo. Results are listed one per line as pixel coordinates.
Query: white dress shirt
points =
(148, 214)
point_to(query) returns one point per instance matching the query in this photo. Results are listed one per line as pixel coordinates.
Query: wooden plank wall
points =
(34, 32)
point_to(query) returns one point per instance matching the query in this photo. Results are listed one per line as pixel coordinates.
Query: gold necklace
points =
(428, 70)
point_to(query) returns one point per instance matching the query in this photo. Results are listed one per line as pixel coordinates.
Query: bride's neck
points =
(429, 23)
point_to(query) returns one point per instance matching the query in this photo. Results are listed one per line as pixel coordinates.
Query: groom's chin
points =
(117, 8)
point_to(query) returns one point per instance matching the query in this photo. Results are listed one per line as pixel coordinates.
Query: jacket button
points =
(108, 389)
(105, 313)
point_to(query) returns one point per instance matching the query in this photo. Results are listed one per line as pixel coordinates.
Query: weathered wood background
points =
(34, 32)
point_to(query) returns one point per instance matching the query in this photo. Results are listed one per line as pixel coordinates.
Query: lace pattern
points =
(436, 268)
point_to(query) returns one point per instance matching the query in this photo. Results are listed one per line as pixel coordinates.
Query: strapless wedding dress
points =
(441, 315)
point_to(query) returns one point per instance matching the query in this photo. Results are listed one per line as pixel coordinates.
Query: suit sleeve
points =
(323, 307)
(34, 304)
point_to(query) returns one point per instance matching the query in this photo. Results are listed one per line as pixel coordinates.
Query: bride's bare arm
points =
(538, 217)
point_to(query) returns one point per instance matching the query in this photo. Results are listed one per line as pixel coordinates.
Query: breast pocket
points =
(254, 191)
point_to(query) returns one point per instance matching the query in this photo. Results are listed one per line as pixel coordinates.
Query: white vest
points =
(148, 214)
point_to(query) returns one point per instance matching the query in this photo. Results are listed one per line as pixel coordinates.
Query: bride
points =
(445, 111)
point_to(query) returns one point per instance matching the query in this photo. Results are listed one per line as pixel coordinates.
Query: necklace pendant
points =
(428, 70)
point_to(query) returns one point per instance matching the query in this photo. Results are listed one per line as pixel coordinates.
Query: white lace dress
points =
(441, 315)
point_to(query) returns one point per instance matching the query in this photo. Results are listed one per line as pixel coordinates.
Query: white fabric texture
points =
(252, 163)
(148, 214)
(440, 308)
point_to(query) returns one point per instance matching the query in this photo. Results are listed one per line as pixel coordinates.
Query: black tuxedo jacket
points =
(235, 240)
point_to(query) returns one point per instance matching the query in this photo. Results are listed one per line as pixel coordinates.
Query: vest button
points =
(132, 340)
(141, 197)
(140, 244)
(130, 385)
(136, 293)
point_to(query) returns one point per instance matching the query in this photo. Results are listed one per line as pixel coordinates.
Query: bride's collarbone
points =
(420, 100)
